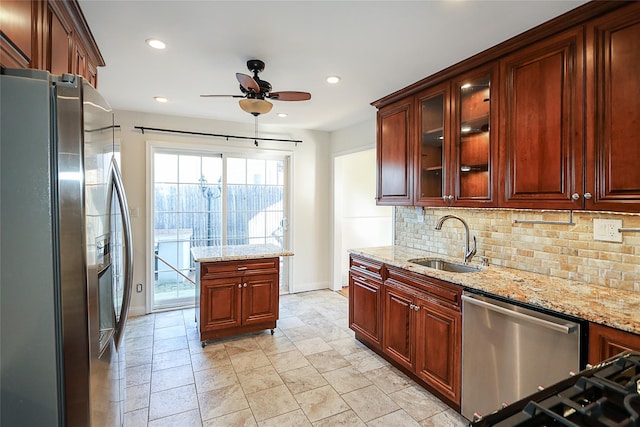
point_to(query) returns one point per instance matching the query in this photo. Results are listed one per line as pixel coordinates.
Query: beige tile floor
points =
(311, 372)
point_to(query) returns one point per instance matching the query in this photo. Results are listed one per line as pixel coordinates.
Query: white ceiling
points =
(377, 47)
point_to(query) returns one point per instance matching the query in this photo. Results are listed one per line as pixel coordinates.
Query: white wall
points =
(310, 189)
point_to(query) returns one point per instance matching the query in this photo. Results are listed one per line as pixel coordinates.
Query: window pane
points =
(255, 171)
(165, 167)
(192, 198)
(275, 172)
(212, 170)
(190, 169)
(236, 171)
(165, 197)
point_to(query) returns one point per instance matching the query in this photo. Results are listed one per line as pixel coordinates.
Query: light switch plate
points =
(606, 230)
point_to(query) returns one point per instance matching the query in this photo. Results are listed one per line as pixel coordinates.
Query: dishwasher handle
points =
(564, 328)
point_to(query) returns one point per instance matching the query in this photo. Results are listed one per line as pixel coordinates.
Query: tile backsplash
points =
(560, 250)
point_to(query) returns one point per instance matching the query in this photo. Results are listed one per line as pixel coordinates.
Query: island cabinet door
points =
(259, 298)
(399, 325)
(220, 303)
(438, 347)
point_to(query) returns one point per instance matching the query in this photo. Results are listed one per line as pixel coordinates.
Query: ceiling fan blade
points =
(247, 82)
(290, 96)
(221, 96)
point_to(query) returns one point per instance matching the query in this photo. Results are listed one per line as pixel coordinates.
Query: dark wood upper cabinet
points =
(473, 135)
(613, 111)
(395, 154)
(558, 131)
(432, 180)
(48, 35)
(455, 149)
(541, 143)
(59, 42)
(15, 38)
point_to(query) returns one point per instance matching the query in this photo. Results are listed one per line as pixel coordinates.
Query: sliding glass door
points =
(211, 199)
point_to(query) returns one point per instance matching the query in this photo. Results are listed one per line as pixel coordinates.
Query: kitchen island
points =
(237, 289)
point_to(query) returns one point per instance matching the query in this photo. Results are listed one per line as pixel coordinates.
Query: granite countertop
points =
(237, 252)
(611, 307)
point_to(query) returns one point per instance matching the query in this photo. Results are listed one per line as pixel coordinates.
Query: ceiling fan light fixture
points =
(255, 106)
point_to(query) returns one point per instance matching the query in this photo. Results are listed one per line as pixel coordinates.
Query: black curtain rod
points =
(184, 132)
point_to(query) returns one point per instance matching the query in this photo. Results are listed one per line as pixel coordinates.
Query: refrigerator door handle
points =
(116, 178)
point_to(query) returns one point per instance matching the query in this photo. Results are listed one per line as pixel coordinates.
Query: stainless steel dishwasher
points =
(508, 351)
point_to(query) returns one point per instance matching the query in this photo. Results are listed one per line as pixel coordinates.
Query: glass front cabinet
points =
(455, 145)
(433, 146)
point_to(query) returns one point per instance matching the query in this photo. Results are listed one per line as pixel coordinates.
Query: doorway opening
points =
(358, 221)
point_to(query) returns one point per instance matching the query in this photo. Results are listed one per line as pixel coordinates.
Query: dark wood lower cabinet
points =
(399, 325)
(365, 307)
(413, 321)
(605, 342)
(235, 297)
(365, 299)
(438, 351)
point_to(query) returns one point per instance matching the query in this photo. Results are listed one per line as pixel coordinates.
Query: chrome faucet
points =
(468, 253)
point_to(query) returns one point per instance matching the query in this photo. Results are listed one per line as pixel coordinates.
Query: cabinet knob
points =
(245, 285)
(575, 196)
(411, 306)
(450, 197)
(416, 307)
(587, 196)
(239, 285)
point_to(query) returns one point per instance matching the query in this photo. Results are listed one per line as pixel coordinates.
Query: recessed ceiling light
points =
(161, 99)
(332, 80)
(282, 114)
(156, 44)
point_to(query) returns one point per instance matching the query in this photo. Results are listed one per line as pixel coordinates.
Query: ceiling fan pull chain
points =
(255, 141)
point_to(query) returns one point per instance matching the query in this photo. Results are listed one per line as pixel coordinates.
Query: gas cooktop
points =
(606, 395)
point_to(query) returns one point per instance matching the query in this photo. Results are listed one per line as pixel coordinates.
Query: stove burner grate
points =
(606, 396)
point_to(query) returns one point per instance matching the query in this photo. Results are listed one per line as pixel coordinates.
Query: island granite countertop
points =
(611, 307)
(237, 252)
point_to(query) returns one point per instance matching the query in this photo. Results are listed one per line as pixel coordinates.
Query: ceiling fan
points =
(256, 91)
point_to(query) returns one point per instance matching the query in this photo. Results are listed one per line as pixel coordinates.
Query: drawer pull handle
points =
(242, 268)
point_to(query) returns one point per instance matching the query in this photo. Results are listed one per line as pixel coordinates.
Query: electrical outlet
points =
(606, 230)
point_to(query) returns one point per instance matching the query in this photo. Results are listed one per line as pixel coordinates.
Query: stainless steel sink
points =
(440, 264)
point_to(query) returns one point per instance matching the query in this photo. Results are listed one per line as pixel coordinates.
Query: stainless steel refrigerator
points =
(65, 254)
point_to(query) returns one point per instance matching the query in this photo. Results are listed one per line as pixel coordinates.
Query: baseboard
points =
(137, 311)
(314, 286)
